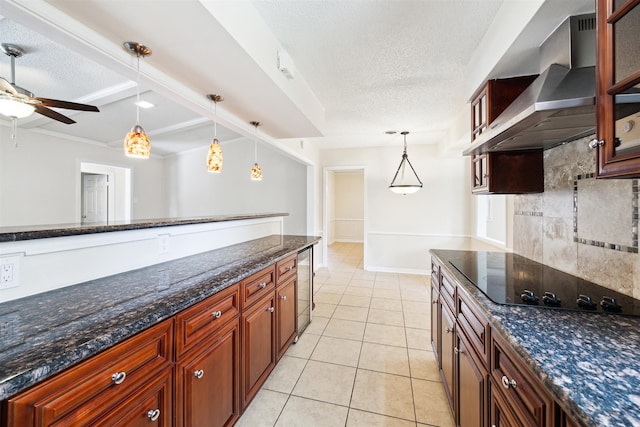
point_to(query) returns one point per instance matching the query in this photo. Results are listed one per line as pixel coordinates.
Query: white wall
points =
(195, 192)
(348, 213)
(402, 229)
(40, 180)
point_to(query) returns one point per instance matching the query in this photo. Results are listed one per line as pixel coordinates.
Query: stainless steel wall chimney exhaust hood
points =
(559, 106)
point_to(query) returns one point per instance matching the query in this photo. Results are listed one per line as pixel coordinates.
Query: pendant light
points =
(405, 183)
(214, 156)
(256, 170)
(136, 143)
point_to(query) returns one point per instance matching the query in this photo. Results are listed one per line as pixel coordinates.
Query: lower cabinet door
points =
(447, 331)
(258, 346)
(471, 391)
(435, 307)
(208, 381)
(150, 405)
(286, 315)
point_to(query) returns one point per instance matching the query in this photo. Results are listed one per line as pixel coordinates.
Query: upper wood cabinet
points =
(618, 88)
(502, 172)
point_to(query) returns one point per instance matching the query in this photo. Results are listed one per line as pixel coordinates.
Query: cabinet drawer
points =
(475, 326)
(532, 404)
(286, 268)
(448, 292)
(92, 387)
(205, 318)
(254, 287)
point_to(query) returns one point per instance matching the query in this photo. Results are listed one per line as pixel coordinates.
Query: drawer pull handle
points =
(283, 297)
(271, 309)
(262, 285)
(435, 301)
(118, 377)
(153, 415)
(289, 268)
(448, 330)
(457, 350)
(508, 383)
(217, 314)
(198, 374)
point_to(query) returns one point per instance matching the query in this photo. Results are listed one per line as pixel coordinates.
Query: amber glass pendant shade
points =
(256, 172)
(137, 144)
(214, 157)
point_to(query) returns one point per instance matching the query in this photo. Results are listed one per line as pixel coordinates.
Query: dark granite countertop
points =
(44, 334)
(590, 363)
(30, 232)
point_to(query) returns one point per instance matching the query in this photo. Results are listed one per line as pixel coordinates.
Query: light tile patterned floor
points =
(365, 360)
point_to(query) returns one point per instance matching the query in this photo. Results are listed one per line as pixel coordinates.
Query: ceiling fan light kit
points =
(214, 155)
(405, 183)
(256, 170)
(17, 102)
(136, 143)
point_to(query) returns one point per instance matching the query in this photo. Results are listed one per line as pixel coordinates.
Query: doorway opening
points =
(105, 194)
(345, 209)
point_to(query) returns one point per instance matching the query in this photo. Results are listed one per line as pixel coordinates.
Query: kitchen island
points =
(589, 363)
(47, 333)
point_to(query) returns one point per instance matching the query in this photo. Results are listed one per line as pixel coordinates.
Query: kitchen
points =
(542, 226)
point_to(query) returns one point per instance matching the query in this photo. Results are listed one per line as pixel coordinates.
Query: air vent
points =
(587, 24)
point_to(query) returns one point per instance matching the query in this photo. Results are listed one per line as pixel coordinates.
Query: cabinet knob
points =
(595, 142)
(507, 383)
(262, 285)
(118, 377)
(456, 350)
(283, 297)
(153, 415)
(435, 301)
(271, 309)
(290, 268)
(448, 330)
(216, 314)
(198, 374)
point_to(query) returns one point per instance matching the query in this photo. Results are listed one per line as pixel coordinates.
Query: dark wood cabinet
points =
(618, 88)
(258, 346)
(208, 381)
(471, 384)
(508, 172)
(286, 318)
(500, 413)
(131, 382)
(525, 396)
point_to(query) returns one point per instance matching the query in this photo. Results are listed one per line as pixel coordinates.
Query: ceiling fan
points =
(17, 102)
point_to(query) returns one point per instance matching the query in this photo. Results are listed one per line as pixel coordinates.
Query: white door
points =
(95, 198)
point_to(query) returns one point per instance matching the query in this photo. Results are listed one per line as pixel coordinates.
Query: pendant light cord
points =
(138, 94)
(215, 120)
(255, 146)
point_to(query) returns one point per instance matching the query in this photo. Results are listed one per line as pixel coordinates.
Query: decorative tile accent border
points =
(634, 219)
(528, 213)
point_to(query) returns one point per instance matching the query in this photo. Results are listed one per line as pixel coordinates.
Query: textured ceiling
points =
(372, 65)
(380, 65)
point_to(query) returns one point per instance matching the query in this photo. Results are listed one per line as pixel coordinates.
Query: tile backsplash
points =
(581, 225)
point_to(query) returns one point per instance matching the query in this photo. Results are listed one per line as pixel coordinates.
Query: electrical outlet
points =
(9, 272)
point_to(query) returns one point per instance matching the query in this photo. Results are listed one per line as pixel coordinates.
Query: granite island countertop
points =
(44, 334)
(589, 363)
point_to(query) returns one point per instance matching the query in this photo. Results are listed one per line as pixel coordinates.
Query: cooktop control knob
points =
(529, 297)
(585, 301)
(610, 305)
(550, 299)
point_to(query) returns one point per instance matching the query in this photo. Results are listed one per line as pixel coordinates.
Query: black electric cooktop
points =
(507, 278)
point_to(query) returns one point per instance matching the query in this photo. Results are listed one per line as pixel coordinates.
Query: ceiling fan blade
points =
(67, 105)
(7, 87)
(53, 114)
